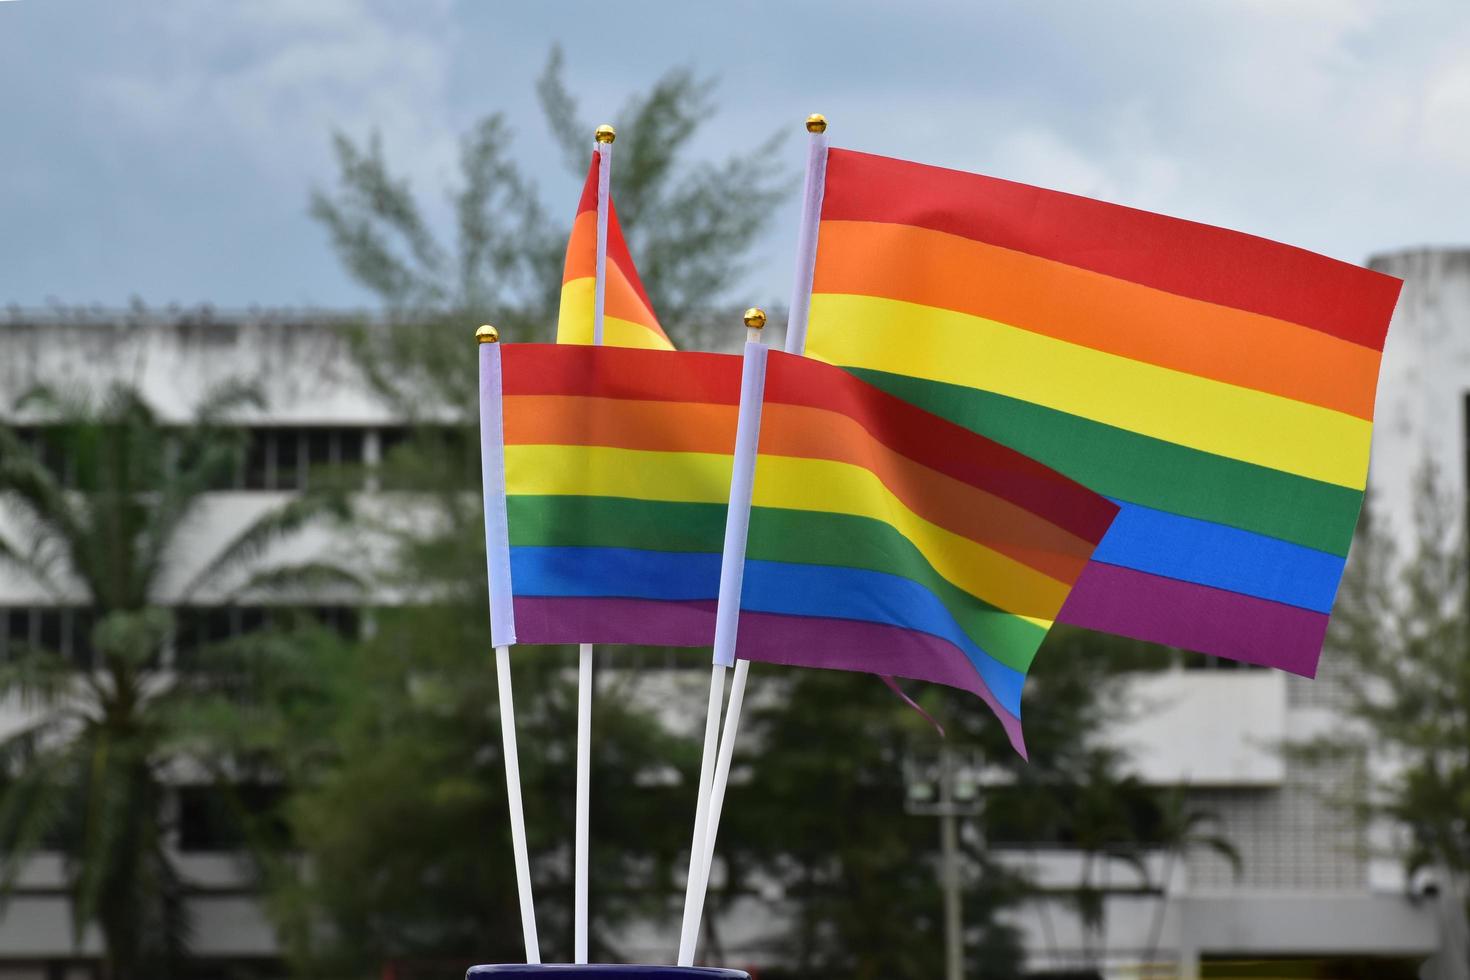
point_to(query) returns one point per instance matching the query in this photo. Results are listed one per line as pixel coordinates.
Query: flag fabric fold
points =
(885, 539)
(1218, 387)
(628, 316)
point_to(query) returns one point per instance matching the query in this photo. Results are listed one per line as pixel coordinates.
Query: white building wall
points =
(1425, 375)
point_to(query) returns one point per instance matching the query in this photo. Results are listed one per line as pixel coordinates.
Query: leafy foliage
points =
(100, 501)
(690, 227)
(1401, 625)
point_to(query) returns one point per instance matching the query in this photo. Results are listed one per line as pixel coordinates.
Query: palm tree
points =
(1182, 829)
(97, 504)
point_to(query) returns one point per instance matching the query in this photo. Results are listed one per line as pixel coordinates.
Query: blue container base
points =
(600, 971)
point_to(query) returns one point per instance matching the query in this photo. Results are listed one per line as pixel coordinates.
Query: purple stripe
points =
(877, 648)
(651, 622)
(1196, 617)
(798, 641)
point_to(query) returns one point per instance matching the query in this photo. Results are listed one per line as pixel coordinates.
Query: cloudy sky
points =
(165, 149)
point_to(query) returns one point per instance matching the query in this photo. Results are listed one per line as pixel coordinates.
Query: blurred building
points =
(1312, 884)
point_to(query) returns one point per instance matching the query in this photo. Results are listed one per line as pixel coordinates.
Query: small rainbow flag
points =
(628, 317)
(616, 472)
(885, 539)
(881, 538)
(1218, 386)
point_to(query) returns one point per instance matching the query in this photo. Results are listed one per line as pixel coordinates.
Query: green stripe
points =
(1141, 470)
(801, 537)
(614, 522)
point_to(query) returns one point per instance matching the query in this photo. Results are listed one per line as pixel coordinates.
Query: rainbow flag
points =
(628, 319)
(1217, 386)
(616, 473)
(885, 539)
(882, 538)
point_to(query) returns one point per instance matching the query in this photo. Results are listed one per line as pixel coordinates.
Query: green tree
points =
(821, 817)
(396, 846)
(99, 501)
(1400, 627)
(1182, 829)
(690, 225)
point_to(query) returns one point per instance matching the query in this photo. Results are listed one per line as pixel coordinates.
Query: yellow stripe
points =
(783, 481)
(1211, 416)
(604, 471)
(832, 487)
(574, 322)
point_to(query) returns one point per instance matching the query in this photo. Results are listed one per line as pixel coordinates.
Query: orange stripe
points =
(807, 433)
(622, 299)
(956, 506)
(582, 248)
(1071, 304)
(575, 420)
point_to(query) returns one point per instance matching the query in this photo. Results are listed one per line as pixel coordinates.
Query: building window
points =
(275, 457)
(421, 458)
(200, 627)
(219, 818)
(1190, 660)
(282, 457)
(63, 630)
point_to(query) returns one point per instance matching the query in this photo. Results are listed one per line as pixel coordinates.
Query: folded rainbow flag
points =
(885, 539)
(1218, 386)
(628, 319)
(882, 538)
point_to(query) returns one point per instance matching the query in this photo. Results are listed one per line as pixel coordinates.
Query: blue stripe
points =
(1222, 557)
(624, 573)
(874, 597)
(771, 587)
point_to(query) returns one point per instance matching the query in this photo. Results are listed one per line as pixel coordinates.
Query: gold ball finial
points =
(755, 318)
(604, 134)
(487, 335)
(816, 123)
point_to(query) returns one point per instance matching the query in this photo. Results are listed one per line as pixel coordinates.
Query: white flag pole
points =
(689, 929)
(517, 812)
(806, 237)
(604, 140)
(502, 614)
(727, 616)
(801, 296)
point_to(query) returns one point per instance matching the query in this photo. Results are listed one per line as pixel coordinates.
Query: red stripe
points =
(621, 372)
(1182, 257)
(940, 445)
(617, 247)
(617, 253)
(588, 201)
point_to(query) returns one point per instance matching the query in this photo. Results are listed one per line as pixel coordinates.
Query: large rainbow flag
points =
(628, 319)
(1218, 386)
(882, 538)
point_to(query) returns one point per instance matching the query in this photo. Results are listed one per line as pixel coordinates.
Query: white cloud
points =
(270, 79)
